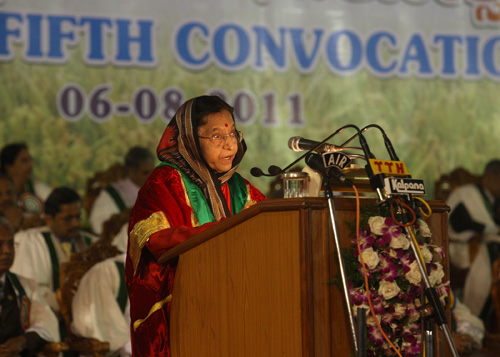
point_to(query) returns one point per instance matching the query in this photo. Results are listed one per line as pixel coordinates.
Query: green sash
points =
(29, 187)
(54, 260)
(24, 302)
(122, 291)
(115, 195)
(237, 188)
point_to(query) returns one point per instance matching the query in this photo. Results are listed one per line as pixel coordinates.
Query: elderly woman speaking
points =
(194, 187)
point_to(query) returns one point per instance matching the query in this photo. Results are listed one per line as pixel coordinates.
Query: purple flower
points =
(389, 271)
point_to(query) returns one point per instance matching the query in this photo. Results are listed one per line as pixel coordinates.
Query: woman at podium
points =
(194, 187)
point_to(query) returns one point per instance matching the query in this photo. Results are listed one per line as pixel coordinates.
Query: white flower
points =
(376, 224)
(437, 275)
(426, 253)
(370, 257)
(414, 316)
(388, 289)
(414, 276)
(400, 241)
(370, 321)
(424, 228)
(399, 311)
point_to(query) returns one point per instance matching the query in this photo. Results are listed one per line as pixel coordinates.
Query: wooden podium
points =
(257, 284)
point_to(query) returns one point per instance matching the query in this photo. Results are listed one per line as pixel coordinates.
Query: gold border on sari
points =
(141, 233)
(157, 306)
(249, 202)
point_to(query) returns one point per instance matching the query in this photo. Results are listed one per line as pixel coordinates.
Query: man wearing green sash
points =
(26, 320)
(121, 195)
(472, 214)
(41, 251)
(100, 306)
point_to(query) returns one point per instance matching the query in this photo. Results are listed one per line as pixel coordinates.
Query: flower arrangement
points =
(395, 283)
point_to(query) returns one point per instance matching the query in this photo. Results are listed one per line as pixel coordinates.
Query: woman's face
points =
(22, 168)
(218, 155)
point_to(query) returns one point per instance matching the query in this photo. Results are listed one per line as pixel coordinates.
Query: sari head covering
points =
(179, 145)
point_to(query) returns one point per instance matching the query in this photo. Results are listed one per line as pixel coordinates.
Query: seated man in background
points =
(41, 251)
(100, 306)
(120, 196)
(472, 215)
(16, 161)
(26, 321)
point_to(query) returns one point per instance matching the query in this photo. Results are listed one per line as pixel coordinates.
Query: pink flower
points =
(374, 335)
(389, 270)
(358, 296)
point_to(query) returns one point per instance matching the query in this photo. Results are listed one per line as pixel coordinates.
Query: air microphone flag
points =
(336, 159)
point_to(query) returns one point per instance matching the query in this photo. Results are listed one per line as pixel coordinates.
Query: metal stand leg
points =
(331, 206)
(438, 315)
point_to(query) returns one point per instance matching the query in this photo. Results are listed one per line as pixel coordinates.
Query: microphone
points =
(315, 162)
(273, 171)
(257, 172)
(297, 143)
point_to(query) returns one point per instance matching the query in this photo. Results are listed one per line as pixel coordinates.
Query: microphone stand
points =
(352, 324)
(438, 313)
(319, 145)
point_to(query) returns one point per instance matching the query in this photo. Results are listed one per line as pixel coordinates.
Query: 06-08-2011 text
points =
(147, 105)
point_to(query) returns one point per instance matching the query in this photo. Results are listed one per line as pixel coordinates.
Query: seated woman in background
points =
(9, 208)
(194, 187)
(16, 161)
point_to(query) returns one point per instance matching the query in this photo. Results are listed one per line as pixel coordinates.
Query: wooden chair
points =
(99, 181)
(70, 276)
(112, 226)
(495, 290)
(54, 349)
(448, 182)
(491, 342)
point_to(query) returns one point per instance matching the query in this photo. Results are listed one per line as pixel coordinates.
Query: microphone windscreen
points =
(256, 172)
(274, 170)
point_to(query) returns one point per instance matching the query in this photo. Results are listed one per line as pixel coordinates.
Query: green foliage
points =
(435, 125)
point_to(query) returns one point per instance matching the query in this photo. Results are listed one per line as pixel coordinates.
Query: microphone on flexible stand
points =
(297, 143)
(257, 172)
(272, 171)
(387, 142)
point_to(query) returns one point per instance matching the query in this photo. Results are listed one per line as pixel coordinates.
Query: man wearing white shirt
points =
(26, 320)
(100, 306)
(117, 197)
(41, 251)
(472, 214)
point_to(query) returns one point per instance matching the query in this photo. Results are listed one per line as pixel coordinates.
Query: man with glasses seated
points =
(41, 251)
(26, 321)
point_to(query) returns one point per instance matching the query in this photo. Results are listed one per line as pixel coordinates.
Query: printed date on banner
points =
(147, 105)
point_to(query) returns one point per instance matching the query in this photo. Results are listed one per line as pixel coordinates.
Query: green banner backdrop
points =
(82, 81)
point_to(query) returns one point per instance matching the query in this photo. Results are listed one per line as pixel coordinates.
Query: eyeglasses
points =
(218, 139)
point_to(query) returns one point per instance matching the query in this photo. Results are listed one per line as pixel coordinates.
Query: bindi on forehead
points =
(226, 125)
